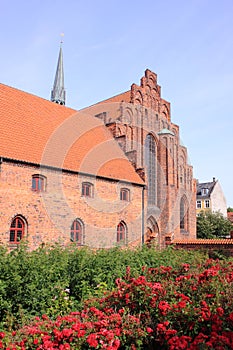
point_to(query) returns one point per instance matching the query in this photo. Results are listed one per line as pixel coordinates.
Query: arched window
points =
(124, 194)
(76, 233)
(150, 155)
(184, 224)
(121, 232)
(182, 213)
(87, 189)
(38, 183)
(17, 230)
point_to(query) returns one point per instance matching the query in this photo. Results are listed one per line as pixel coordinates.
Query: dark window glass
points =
(17, 230)
(124, 194)
(33, 183)
(12, 235)
(38, 183)
(76, 233)
(182, 213)
(87, 189)
(121, 232)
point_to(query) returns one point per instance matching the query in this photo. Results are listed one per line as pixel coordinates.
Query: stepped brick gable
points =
(140, 122)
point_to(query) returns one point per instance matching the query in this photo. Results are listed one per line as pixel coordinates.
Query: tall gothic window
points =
(150, 158)
(182, 214)
(184, 219)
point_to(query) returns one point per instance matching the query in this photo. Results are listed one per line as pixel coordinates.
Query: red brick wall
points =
(130, 125)
(49, 215)
(130, 121)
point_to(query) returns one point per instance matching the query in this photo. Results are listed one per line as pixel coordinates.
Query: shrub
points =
(212, 225)
(33, 283)
(181, 307)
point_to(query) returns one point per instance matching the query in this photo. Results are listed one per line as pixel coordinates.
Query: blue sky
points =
(109, 44)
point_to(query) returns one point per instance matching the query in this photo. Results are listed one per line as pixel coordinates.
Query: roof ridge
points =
(35, 96)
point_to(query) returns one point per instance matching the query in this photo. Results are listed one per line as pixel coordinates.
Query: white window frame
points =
(204, 191)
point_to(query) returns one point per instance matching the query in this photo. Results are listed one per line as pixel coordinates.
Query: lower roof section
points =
(38, 131)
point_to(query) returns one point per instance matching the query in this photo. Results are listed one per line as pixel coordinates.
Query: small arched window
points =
(38, 183)
(87, 189)
(121, 232)
(76, 233)
(124, 194)
(17, 230)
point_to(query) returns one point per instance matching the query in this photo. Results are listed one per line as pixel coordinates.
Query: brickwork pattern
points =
(130, 122)
(91, 142)
(49, 215)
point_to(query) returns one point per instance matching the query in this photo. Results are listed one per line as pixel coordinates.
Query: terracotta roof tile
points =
(204, 241)
(35, 130)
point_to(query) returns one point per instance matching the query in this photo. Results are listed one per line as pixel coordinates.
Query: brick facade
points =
(48, 215)
(130, 117)
(106, 146)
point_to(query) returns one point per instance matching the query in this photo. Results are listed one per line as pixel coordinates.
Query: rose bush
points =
(182, 307)
(32, 283)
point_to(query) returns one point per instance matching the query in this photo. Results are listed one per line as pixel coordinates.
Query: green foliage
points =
(212, 225)
(29, 280)
(88, 269)
(36, 282)
(166, 308)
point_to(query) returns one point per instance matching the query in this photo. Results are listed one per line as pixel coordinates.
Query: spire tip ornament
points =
(62, 36)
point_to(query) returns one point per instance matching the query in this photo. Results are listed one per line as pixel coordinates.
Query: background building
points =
(210, 197)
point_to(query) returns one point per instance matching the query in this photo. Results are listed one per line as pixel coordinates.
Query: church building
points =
(114, 173)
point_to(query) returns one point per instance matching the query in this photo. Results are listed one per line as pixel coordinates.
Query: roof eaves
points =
(44, 166)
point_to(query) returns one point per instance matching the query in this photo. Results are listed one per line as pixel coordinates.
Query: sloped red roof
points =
(38, 131)
(204, 241)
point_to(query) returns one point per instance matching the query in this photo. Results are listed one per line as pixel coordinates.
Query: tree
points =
(212, 225)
